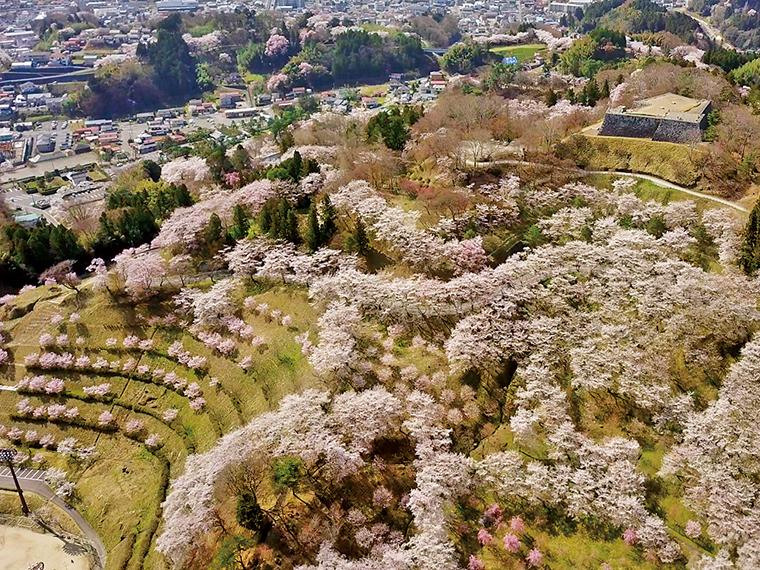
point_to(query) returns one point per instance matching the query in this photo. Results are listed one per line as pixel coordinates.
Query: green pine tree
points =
(291, 227)
(313, 236)
(214, 229)
(605, 89)
(265, 219)
(329, 220)
(359, 240)
(240, 223)
(749, 259)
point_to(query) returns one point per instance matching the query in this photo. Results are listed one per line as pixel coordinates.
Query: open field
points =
(522, 53)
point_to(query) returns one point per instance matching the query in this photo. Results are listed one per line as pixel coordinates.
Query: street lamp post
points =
(7, 456)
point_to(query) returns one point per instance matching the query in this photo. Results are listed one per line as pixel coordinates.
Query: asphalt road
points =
(33, 484)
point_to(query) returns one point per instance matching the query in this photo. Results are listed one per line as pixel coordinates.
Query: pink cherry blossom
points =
(153, 441)
(484, 537)
(133, 426)
(693, 529)
(276, 45)
(630, 536)
(511, 542)
(105, 418)
(493, 514)
(517, 524)
(170, 414)
(534, 558)
(54, 386)
(46, 340)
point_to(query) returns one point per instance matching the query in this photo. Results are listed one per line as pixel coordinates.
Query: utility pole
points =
(7, 456)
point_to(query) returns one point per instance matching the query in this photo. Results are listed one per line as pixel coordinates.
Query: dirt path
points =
(654, 179)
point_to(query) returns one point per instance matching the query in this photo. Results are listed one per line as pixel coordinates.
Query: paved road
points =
(710, 31)
(31, 481)
(655, 179)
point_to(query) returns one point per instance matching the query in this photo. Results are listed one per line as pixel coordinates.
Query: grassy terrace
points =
(121, 491)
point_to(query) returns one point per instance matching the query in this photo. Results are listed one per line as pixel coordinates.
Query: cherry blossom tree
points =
(276, 46)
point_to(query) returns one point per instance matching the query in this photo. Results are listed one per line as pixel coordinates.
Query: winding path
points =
(659, 181)
(30, 483)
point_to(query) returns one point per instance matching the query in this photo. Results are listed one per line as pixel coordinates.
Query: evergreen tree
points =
(265, 219)
(605, 89)
(240, 159)
(313, 236)
(249, 514)
(240, 223)
(358, 240)
(213, 229)
(280, 230)
(151, 170)
(295, 167)
(749, 259)
(329, 217)
(291, 227)
(182, 198)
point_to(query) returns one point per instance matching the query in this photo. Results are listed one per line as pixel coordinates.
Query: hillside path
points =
(654, 179)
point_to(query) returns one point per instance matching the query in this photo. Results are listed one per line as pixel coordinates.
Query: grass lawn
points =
(253, 78)
(97, 175)
(522, 53)
(373, 90)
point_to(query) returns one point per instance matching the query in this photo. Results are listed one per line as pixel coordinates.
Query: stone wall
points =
(677, 132)
(619, 125)
(654, 128)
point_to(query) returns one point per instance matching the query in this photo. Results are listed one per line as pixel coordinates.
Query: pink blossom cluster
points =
(193, 390)
(197, 404)
(185, 357)
(217, 342)
(175, 381)
(133, 426)
(276, 45)
(307, 347)
(48, 360)
(153, 441)
(277, 82)
(246, 362)
(232, 179)
(105, 418)
(98, 390)
(186, 170)
(183, 227)
(170, 414)
(493, 515)
(238, 326)
(52, 412)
